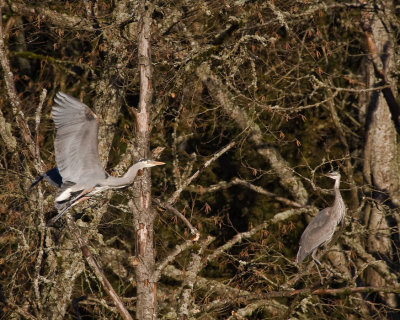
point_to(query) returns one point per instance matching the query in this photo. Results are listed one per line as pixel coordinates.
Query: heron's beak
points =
(157, 163)
(329, 175)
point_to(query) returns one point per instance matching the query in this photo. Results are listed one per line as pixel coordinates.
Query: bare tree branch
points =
(179, 248)
(20, 311)
(37, 125)
(192, 272)
(187, 182)
(328, 291)
(12, 93)
(236, 181)
(6, 134)
(238, 238)
(55, 18)
(378, 265)
(168, 206)
(97, 269)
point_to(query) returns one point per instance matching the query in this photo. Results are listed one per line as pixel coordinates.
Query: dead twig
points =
(168, 206)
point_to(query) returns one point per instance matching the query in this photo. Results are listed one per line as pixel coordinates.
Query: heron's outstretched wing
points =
(75, 145)
(319, 230)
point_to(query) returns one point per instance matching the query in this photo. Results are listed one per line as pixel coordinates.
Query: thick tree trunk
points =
(381, 147)
(143, 214)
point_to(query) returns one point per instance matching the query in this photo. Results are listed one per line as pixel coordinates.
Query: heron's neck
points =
(125, 180)
(338, 204)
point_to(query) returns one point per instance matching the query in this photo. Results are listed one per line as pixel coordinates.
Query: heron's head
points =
(333, 175)
(146, 163)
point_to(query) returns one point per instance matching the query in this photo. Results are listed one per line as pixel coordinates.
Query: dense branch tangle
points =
(252, 101)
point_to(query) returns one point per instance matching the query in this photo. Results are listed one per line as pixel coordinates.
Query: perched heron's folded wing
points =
(318, 231)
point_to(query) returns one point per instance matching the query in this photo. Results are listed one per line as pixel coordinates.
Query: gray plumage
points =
(80, 174)
(323, 225)
(75, 145)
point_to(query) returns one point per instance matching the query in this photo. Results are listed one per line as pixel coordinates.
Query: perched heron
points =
(79, 173)
(323, 225)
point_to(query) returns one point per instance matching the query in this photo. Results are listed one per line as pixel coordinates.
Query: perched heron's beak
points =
(332, 175)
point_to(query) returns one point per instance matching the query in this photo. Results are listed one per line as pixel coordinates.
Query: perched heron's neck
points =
(338, 204)
(337, 185)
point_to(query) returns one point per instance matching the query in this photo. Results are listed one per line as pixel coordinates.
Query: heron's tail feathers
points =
(301, 255)
(52, 176)
(36, 181)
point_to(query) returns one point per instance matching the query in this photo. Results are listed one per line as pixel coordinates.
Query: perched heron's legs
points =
(315, 258)
(79, 198)
(317, 262)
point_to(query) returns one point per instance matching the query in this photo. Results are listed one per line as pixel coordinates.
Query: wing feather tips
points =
(64, 100)
(64, 103)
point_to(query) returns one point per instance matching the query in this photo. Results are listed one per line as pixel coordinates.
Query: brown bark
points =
(143, 213)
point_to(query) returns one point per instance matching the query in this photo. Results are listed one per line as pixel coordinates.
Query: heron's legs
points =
(79, 198)
(59, 215)
(315, 258)
(317, 262)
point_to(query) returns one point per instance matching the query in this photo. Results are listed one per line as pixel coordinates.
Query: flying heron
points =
(79, 173)
(323, 225)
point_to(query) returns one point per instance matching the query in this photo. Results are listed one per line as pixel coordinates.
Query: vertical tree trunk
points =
(143, 214)
(381, 147)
